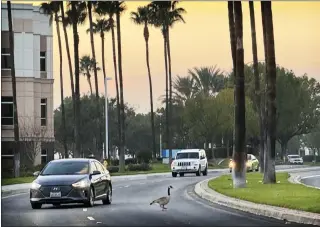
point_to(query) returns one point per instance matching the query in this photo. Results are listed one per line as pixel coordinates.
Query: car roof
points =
(189, 150)
(73, 160)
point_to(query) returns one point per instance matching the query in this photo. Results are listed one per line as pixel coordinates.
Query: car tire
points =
(230, 170)
(257, 169)
(36, 205)
(90, 202)
(174, 174)
(181, 174)
(205, 172)
(108, 199)
(198, 173)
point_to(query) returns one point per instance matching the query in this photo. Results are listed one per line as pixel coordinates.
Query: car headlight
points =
(231, 164)
(80, 184)
(248, 164)
(35, 186)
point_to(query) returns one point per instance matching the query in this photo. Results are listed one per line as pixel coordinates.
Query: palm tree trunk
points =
(90, 85)
(239, 172)
(116, 79)
(77, 150)
(170, 97)
(14, 94)
(257, 81)
(122, 145)
(167, 87)
(61, 89)
(146, 35)
(104, 75)
(264, 99)
(233, 54)
(269, 173)
(69, 63)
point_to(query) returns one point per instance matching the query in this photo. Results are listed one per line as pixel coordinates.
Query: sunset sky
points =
(202, 41)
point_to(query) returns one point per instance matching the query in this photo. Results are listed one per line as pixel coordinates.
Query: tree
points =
(165, 15)
(52, 10)
(312, 141)
(32, 136)
(14, 94)
(142, 17)
(257, 100)
(87, 65)
(239, 154)
(269, 157)
(76, 15)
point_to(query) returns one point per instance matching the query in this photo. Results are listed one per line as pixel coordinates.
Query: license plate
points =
(55, 194)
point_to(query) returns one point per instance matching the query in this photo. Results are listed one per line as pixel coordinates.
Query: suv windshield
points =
(66, 168)
(191, 155)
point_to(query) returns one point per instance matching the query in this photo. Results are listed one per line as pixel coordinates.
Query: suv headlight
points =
(80, 184)
(35, 185)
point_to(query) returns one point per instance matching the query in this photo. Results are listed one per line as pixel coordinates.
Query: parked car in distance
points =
(252, 163)
(190, 161)
(294, 159)
(63, 181)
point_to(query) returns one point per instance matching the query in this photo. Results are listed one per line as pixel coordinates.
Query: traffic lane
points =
(131, 207)
(311, 180)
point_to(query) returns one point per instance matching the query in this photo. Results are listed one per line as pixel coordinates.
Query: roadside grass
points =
(18, 180)
(224, 164)
(283, 194)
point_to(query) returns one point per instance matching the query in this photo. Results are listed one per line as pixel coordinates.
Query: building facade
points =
(33, 55)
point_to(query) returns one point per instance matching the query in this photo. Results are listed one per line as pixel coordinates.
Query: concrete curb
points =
(296, 179)
(302, 217)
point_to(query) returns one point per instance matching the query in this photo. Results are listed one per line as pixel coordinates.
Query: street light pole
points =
(106, 114)
(160, 136)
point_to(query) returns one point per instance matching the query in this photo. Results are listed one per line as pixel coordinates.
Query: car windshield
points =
(294, 156)
(191, 155)
(66, 168)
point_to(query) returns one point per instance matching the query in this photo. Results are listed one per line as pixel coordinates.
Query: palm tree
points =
(110, 8)
(164, 15)
(269, 161)
(52, 9)
(142, 17)
(14, 94)
(183, 89)
(239, 156)
(87, 65)
(257, 81)
(119, 7)
(76, 15)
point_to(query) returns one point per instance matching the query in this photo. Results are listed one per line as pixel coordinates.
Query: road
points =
(131, 207)
(311, 178)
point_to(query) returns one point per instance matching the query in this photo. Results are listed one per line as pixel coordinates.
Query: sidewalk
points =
(24, 188)
(302, 217)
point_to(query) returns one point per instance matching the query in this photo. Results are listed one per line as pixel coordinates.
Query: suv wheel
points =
(205, 172)
(181, 174)
(199, 171)
(174, 174)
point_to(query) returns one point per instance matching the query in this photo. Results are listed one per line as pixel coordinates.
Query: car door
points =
(105, 177)
(95, 179)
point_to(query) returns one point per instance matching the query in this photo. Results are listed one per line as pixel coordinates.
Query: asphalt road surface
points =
(311, 178)
(131, 207)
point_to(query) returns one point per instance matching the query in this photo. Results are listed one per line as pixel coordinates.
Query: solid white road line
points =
(310, 177)
(91, 218)
(9, 196)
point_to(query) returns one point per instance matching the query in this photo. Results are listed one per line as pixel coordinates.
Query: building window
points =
(5, 58)
(43, 61)
(7, 110)
(43, 112)
(44, 156)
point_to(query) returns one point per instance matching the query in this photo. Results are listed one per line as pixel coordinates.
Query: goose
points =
(163, 200)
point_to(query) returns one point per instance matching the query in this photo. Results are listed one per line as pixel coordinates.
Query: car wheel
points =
(181, 174)
(36, 205)
(90, 202)
(174, 174)
(198, 172)
(230, 170)
(257, 169)
(108, 199)
(205, 172)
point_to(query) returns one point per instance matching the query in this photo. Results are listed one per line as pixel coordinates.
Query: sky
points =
(202, 41)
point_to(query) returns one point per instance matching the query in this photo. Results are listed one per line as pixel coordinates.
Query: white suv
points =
(190, 161)
(295, 159)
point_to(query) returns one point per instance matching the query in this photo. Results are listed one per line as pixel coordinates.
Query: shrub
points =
(144, 156)
(139, 167)
(113, 169)
(310, 158)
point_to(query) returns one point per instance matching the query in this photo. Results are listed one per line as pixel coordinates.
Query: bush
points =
(113, 169)
(144, 156)
(139, 167)
(127, 161)
(310, 158)
(26, 171)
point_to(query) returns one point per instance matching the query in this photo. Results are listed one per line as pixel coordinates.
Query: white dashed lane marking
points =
(91, 218)
(126, 186)
(85, 209)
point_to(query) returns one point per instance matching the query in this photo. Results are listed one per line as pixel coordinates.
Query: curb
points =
(297, 180)
(301, 217)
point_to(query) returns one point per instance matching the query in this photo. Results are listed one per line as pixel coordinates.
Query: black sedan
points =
(71, 181)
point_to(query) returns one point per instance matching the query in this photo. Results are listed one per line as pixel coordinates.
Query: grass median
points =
(282, 194)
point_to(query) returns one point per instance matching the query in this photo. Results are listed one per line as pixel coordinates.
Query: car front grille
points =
(184, 164)
(63, 189)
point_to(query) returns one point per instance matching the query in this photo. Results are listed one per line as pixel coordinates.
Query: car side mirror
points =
(36, 173)
(202, 157)
(96, 172)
